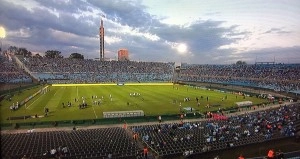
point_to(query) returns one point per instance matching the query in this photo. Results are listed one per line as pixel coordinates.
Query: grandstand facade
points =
(274, 77)
(89, 71)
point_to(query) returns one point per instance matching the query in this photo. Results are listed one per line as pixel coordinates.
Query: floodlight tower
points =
(101, 36)
(2, 36)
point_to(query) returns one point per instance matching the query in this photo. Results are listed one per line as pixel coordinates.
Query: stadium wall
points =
(250, 90)
(13, 88)
(90, 122)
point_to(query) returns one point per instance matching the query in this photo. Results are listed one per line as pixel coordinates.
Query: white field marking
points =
(94, 111)
(55, 92)
(33, 102)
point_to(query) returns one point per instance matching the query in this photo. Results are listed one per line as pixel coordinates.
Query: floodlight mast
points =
(2, 36)
(101, 38)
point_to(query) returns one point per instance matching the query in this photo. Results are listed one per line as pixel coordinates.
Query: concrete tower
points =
(101, 36)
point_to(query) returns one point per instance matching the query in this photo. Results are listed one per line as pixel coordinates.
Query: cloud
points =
(72, 26)
(112, 40)
(130, 27)
(127, 30)
(130, 13)
(276, 31)
(291, 55)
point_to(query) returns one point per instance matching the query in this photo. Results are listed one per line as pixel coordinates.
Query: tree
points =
(13, 49)
(241, 62)
(24, 52)
(76, 56)
(53, 54)
(37, 55)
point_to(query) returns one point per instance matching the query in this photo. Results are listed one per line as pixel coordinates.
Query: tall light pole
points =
(101, 36)
(2, 35)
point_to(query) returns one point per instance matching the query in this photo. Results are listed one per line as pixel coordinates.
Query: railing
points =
(14, 90)
(89, 122)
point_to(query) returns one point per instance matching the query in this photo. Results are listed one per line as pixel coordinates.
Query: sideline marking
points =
(33, 102)
(55, 92)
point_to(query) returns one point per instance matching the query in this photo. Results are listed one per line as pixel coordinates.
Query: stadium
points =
(137, 95)
(54, 106)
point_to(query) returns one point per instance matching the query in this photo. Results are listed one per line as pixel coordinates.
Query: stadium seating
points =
(164, 139)
(279, 77)
(10, 73)
(90, 143)
(169, 140)
(64, 70)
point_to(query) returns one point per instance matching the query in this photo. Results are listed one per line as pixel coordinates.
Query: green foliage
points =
(37, 55)
(13, 49)
(240, 63)
(76, 56)
(20, 51)
(53, 54)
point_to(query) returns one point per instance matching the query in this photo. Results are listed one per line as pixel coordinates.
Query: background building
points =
(123, 55)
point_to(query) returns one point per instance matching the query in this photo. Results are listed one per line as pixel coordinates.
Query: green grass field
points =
(154, 99)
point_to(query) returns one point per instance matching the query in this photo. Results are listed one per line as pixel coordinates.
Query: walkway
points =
(138, 124)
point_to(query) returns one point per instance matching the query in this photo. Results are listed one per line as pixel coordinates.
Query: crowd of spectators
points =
(279, 77)
(189, 138)
(9, 72)
(57, 152)
(65, 70)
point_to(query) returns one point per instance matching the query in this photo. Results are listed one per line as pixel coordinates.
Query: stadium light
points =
(2, 36)
(2, 32)
(182, 48)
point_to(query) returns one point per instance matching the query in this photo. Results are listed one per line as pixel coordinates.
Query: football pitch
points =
(152, 98)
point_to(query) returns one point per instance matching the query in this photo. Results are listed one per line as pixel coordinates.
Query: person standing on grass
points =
(159, 119)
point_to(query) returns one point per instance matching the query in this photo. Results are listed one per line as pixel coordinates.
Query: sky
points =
(181, 31)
